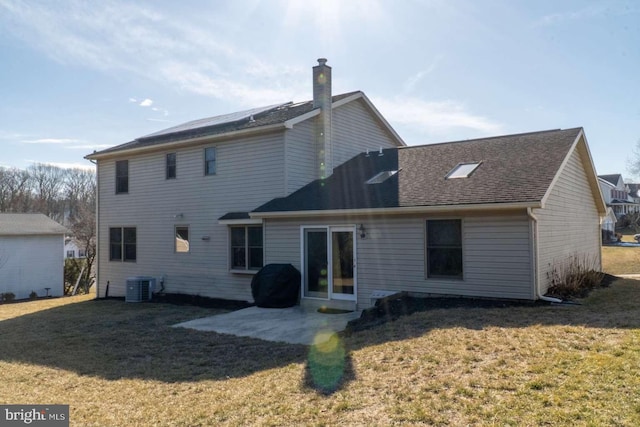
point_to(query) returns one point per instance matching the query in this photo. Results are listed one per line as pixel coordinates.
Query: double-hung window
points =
(444, 248)
(246, 247)
(122, 176)
(210, 161)
(122, 244)
(171, 166)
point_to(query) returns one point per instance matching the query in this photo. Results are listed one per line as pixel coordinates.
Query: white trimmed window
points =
(210, 161)
(444, 248)
(182, 239)
(246, 251)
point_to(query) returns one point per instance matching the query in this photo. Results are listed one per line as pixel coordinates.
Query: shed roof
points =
(22, 224)
(513, 169)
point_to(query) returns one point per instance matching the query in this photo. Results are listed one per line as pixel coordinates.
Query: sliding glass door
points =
(329, 262)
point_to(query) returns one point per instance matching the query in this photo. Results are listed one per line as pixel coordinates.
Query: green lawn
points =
(121, 364)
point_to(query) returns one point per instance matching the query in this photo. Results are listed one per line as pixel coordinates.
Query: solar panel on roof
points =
(214, 121)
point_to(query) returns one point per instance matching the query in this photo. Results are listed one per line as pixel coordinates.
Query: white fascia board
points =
(291, 122)
(249, 221)
(382, 119)
(187, 142)
(400, 211)
(605, 182)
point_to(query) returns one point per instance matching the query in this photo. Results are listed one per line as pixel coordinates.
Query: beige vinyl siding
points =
(355, 129)
(249, 172)
(569, 224)
(496, 254)
(301, 156)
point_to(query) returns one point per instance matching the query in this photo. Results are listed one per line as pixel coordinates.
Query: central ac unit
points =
(140, 288)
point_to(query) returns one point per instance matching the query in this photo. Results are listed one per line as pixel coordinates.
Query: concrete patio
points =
(294, 325)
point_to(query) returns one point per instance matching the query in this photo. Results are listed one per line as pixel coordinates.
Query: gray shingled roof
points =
(219, 125)
(612, 178)
(12, 224)
(514, 168)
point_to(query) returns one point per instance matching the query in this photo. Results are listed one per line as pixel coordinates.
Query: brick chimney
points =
(322, 100)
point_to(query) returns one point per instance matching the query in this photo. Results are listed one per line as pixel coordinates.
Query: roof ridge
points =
(491, 137)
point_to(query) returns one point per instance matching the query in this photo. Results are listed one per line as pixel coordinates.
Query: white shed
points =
(31, 257)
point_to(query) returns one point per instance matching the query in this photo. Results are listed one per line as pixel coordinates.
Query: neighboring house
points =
(609, 226)
(72, 250)
(329, 187)
(634, 192)
(617, 195)
(31, 257)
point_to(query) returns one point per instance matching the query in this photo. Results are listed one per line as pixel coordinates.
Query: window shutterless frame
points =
(210, 161)
(122, 244)
(182, 244)
(122, 176)
(170, 167)
(246, 247)
(444, 255)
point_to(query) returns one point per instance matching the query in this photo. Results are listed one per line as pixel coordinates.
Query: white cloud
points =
(437, 118)
(161, 110)
(126, 37)
(133, 100)
(89, 146)
(146, 103)
(590, 11)
(50, 141)
(412, 81)
(71, 165)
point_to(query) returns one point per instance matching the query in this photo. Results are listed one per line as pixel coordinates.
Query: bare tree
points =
(83, 227)
(15, 190)
(633, 163)
(79, 190)
(48, 182)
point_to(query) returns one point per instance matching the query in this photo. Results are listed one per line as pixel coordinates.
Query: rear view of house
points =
(493, 217)
(329, 187)
(175, 204)
(31, 255)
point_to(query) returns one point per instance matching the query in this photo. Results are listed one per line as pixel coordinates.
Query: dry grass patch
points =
(621, 260)
(122, 364)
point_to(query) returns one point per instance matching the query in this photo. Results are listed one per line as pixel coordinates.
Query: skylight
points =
(381, 177)
(462, 170)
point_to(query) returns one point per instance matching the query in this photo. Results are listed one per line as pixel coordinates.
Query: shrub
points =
(575, 277)
(8, 296)
(33, 295)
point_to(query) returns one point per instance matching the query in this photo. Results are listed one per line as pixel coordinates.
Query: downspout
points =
(536, 257)
(97, 258)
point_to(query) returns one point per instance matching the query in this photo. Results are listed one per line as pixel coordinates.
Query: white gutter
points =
(536, 254)
(398, 211)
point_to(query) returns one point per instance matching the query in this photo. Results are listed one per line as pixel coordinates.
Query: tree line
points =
(67, 196)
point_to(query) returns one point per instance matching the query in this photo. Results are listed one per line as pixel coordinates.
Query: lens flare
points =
(327, 357)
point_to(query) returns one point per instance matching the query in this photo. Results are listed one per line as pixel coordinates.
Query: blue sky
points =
(79, 76)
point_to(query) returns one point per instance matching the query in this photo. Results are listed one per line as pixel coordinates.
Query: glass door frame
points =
(303, 258)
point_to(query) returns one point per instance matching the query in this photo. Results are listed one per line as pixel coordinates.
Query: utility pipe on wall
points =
(534, 242)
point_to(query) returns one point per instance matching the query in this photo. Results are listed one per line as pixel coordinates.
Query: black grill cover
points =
(276, 286)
